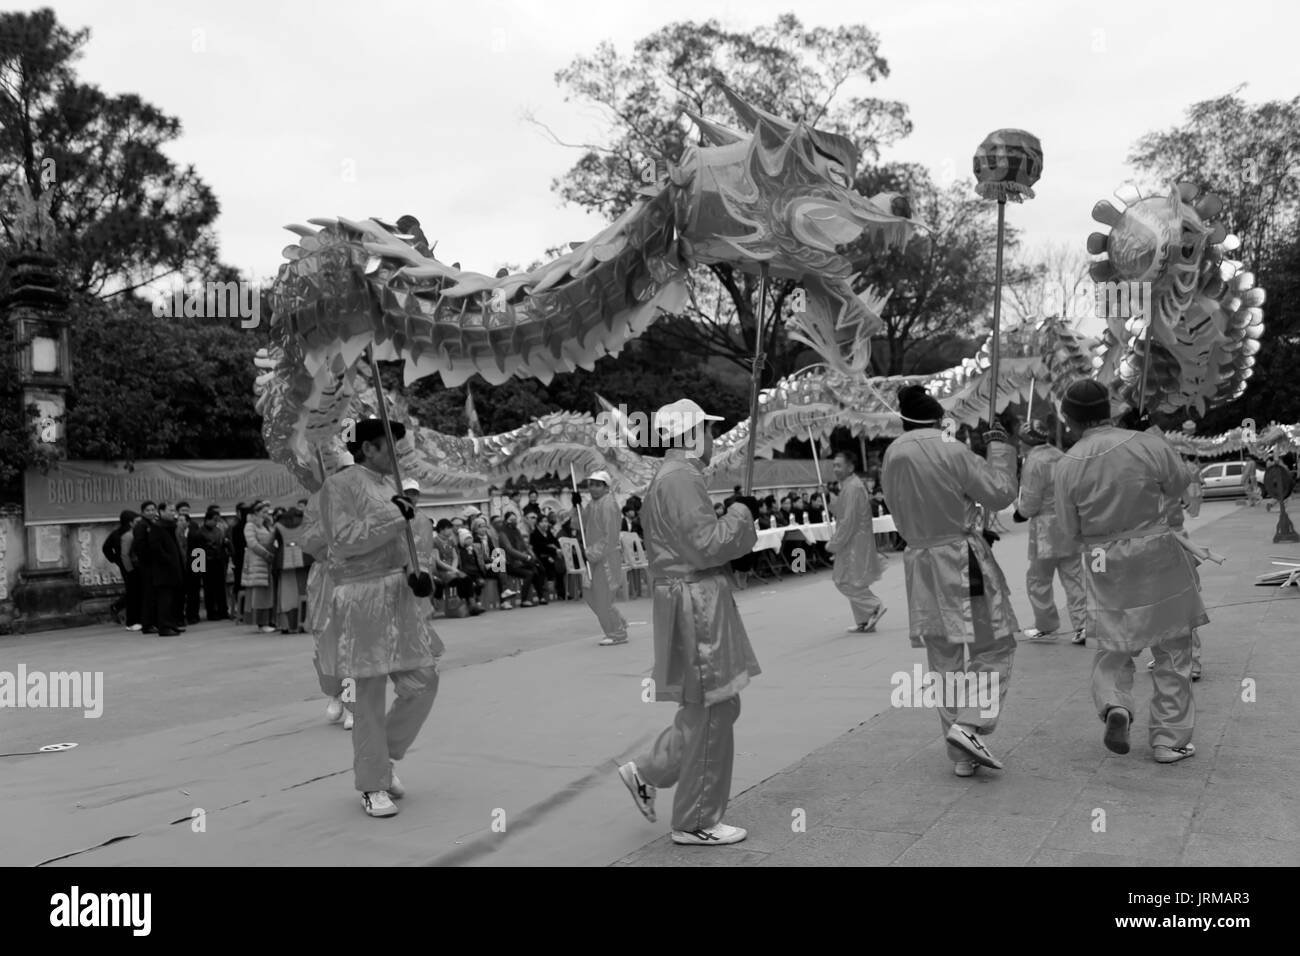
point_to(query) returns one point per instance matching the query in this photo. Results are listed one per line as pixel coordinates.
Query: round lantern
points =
(1007, 164)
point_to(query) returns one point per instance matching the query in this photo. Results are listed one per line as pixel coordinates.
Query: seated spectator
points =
(522, 563)
(473, 564)
(764, 514)
(447, 573)
(491, 556)
(547, 548)
(782, 516)
(631, 522)
(816, 510)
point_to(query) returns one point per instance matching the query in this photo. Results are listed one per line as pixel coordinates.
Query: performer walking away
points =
(958, 601)
(857, 565)
(1111, 492)
(602, 524)
(1051, 551)
(703, 659)
(380, 628)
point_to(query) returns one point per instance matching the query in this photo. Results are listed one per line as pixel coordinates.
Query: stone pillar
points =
(35, 305)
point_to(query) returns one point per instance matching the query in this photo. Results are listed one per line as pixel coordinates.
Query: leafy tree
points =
(124, 213)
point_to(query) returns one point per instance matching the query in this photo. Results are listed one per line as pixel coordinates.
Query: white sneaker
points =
(1034, 634)
(135, 627)
(267, 630)
(964, 768)
(378, 804)
(1164, 754)
(395, 789)
(1080, 638)
(717, 835)
(334, 710)
(347, 721)
(643, 795)
(507, 594)
(967, 739)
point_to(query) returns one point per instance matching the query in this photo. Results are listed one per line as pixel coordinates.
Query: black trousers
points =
(134, 599)
(533, 578)
(465, 588)
(167, 607)
(214, 591)
(148, 600)
(193, 583)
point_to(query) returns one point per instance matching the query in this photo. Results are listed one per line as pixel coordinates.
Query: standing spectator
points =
(140, 558)
(291, 566)
(131, 574)
(112, 549)
(256, 580)
(213, 537)
(186, 529)
(522, 563)
(238, 544)
(166, 572)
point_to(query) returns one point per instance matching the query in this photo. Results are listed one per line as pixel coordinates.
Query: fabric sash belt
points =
(1092, 540)
(692, 577)
(346, 575)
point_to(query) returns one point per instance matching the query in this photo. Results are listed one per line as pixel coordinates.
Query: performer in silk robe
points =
(381, 631)
(1111, 493)
(602, 525)
(1051, 552)
(319, 590)
(857, 565)
(703, 659)
(957, 597)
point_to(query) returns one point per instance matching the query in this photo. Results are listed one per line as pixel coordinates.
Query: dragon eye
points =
(838, 176)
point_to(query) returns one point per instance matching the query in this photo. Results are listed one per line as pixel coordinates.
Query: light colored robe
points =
(702, 653)
(932, 485)
(371, 618)
(602, 524)
(857, 564)
(1112, 492)
(1038, 504)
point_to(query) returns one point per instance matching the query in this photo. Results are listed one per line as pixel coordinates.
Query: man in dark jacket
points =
(167, 572)
(143, 568)
(211, 536)
(113, 552)
(187, 535)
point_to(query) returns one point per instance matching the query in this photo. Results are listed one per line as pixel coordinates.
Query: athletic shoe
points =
(964, 768)
(379, 804)
(610, 642)
(334, 710)
(1172, 754)
(347, 720)
(965, 738)
(1080, 638)
(134, 627)
(527, 603)
(267, 630)
(1034, 634)
(874, 619)
(507, 594)
(643, 795)
(717, 835)
(395, 789)
(1116, 738)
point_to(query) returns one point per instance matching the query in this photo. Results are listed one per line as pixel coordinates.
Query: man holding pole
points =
(857, 565)
(1051, 552)
(375, 615)
(600, 526)
(703, 658)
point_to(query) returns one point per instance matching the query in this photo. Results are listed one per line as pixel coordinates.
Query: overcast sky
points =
(423, 101)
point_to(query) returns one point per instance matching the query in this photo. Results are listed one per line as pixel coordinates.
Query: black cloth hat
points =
(372, 429)
(915, 404)
(1086, 401)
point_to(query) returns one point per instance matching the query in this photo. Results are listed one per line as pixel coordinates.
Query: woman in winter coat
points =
(259, 539)
(291, 565)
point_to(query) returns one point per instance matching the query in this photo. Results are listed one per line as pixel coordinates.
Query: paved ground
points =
(532, 719)
(884, 793)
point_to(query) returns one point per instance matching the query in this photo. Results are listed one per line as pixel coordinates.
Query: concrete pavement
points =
(516, 765)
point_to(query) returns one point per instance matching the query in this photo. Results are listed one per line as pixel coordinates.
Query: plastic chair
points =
(575, 568)
(635, 562)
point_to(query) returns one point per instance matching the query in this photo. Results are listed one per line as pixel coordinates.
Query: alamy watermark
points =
(1086, 299)
(212, 300)
(621, 428)
(955, 690)
(58, 689)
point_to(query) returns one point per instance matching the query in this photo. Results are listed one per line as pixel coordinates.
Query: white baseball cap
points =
(410, 484)
(600, 476)
(680, 417)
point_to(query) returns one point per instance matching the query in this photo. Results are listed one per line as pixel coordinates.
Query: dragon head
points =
(781, 194)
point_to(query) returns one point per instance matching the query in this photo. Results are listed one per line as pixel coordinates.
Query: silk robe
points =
(602, 524)
(371, 620)
(1038, 504)
(857, 564)
(1112, 492)
(932, 485)
(702, 653)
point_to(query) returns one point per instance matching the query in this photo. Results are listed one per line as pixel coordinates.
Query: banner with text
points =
(83, 491)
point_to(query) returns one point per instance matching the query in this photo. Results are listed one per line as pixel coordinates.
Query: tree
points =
(125, 215)
(942, 282)
(796, 73)
(1249, 154)
(1054, 284)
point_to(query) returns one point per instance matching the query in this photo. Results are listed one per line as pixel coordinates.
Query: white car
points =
(1227, 479)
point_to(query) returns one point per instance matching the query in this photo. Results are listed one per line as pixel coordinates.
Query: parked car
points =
(1227, 479)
